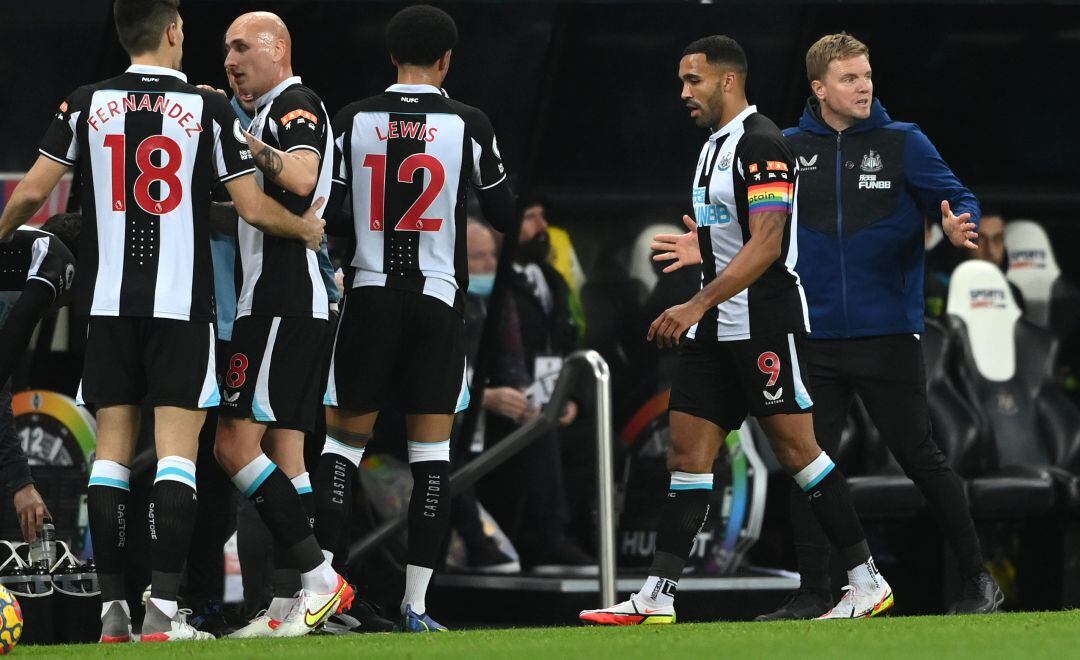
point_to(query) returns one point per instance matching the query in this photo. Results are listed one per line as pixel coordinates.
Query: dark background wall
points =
(584, 97)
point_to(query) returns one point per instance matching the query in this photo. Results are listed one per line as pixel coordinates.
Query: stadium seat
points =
(1050, 301)
(1031, 434)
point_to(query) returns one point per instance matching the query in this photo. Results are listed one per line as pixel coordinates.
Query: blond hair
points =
(832, 47)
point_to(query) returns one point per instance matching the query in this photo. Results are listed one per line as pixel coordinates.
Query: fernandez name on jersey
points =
(151, 148)
(407, 157)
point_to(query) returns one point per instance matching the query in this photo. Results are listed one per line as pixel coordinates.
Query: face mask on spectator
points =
(481, 284)
(535, 249)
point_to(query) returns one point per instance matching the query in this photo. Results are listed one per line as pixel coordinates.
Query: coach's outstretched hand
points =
(681, 248)
(669, 327)
(314, 226)
(958, 228)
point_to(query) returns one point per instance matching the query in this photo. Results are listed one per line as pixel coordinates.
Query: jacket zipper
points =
(840, 235)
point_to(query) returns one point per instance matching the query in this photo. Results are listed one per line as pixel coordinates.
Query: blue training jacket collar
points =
(812, 122)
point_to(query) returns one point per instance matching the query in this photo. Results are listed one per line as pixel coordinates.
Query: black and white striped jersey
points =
(747, 167)
(151, 148)
(281, 276)
(407, 158)
(32, 254)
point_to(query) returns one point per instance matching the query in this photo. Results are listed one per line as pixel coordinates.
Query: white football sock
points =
(865, 576)
(105, 605)
(167, 607)
(321, 580)
(658, 591)
(416, 584)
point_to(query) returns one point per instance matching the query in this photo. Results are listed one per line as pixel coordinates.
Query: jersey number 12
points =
(413, 219)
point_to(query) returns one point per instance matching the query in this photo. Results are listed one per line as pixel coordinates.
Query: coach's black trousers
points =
(889, 375)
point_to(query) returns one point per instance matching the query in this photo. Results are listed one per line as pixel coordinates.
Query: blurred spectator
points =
(526, 495)
(992, 248)
(992, 240)
(562, 256)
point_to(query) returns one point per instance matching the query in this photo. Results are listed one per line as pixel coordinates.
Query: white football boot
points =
(633, 612)
(263, 625)
(312, 609)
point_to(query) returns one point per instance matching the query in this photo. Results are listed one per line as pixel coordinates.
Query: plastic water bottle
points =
(43, 549)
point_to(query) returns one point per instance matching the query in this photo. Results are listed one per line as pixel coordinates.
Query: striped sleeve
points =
(768, 168)
(61, 139)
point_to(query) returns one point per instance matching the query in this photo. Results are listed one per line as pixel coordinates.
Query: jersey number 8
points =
(413, 219)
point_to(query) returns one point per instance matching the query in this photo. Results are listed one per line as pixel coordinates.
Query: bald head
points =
(258, 54)
(482, 250)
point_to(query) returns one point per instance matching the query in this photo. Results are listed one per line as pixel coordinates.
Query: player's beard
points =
(536, 249)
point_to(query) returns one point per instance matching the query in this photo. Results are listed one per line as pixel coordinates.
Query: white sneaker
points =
(631, 612)
(312, 609)
(263, 625)
(159, 628)
(862, 603)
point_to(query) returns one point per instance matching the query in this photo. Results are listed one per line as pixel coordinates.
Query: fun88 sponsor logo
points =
(707, 215)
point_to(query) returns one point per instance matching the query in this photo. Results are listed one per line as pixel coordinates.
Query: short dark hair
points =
(719, 49)
(66, 227)
(420, 35)
(139, 23)
(527, 200)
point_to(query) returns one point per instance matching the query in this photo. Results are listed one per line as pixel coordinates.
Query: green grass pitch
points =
(1040, 635)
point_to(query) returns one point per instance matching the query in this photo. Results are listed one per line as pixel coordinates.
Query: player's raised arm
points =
(268, 216)
(31, 193)
(296, 171)
(234, 164)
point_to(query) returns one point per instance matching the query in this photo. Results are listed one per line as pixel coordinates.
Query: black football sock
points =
(106, 502)
(681, 517)
(280, 507)
(173, 508)
(831, 503)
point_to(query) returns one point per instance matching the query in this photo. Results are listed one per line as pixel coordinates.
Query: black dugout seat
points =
(1030, 432)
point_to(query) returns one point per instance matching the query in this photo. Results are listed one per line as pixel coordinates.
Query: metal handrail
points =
(580, 363)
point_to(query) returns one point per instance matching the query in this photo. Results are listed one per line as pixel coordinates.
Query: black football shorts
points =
(724, 381)
(400, 346)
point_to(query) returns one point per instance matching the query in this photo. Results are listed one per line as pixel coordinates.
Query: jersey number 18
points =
(148, 173)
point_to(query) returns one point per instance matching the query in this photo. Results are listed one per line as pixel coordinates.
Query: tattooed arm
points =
(295, 171)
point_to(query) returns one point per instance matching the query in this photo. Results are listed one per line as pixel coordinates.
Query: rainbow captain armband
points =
(769, 197)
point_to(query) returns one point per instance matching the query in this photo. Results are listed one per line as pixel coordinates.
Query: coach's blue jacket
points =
(862, 198)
